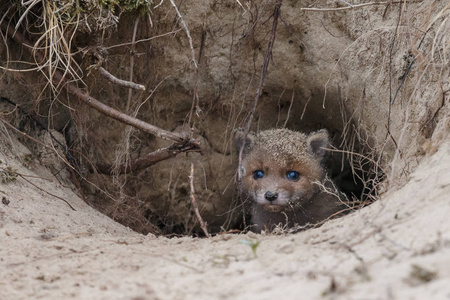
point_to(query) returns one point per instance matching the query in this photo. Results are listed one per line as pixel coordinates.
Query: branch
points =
(144, 40)
(187, 32)
(121, 82)
(58, 78)
(143, 162)
(264, 67)
(203, 225)
(352, 6)
(41, 189)
(132, 52)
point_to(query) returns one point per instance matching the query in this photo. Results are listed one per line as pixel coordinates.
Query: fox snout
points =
(271, 196)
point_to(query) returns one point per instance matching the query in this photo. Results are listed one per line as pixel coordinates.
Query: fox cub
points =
(283, 176)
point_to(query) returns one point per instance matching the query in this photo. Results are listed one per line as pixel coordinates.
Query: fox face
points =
(280, 166)
(276, 187)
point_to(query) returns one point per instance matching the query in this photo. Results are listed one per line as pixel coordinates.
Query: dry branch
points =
(59, 79)
(203, 225)
(41, 189)
(187, 32)
(132, 52)
(354, 6)
(121, 82)
(264, 67)
(144, 162)
(144, 40)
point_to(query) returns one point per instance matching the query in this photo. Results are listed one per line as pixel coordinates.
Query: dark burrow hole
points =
(354, 165)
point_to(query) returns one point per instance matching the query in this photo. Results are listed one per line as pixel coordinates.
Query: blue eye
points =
(258, 174)
(293, 175)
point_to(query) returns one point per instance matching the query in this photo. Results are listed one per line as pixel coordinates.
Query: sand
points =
(397, 248)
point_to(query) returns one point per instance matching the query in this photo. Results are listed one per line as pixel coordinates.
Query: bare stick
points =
(46, 191)
(117, 115)
(132, 50)
(59, 79)
(304, 108)
(24, 134)
(143, 40)
(405, 126)
(142, 162)
(187, 32)
(195, 204)
(354, 6)
(121, 82)
(31, 176)
(346, 3)
(264, 67)
(290, 107)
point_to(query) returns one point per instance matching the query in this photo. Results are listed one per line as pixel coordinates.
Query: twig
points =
(241, 6)
(304, 108)
(391, 54)
(72, 164)
(187, 32)
(24, 134)
(21, 176)
(143, 40)
(70, 158)
(264, 67)
(354, 6)
(203, 225)
(121, 82)
(132, 50)
(405, 125)
(31, 176)
(346, 3)
(99, 106)
(142, 162)
(408, 69)
(289, 109)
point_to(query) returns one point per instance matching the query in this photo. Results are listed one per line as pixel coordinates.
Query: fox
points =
(282, 173)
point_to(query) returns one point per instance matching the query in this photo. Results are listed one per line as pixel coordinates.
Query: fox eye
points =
(258, 174)
(293, 175)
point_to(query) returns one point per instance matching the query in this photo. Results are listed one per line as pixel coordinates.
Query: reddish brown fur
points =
(277, 152)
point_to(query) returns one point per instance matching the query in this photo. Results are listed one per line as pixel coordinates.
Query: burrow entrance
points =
(326, 71)
(157, 199)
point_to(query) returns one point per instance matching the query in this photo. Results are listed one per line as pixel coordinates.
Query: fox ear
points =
(317, 142)
(243, 141)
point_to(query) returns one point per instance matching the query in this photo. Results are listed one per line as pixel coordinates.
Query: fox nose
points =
(271, 196)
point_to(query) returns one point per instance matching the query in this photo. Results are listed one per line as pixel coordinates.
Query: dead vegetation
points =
(70, 44)
(8, 174)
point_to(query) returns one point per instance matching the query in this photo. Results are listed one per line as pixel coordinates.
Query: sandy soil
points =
(398, 248)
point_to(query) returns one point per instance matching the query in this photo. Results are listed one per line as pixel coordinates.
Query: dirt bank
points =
(397, 248)
(376, 76)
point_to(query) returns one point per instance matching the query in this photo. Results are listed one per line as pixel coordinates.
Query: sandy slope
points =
(48, 251)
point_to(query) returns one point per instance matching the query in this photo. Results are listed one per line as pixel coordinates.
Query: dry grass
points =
(54, 25)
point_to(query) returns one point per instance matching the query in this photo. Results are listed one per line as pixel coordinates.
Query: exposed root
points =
(60, 79)
(276, 14)
(121, 82)
(203, 224)
(144, 161)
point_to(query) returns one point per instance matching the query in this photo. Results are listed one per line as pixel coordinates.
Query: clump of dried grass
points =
(52, 28)
(55, 24)
(366, 162)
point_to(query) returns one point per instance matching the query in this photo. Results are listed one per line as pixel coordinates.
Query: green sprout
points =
(252, 244)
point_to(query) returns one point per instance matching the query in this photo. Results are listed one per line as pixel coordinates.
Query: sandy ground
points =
(398, 248)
